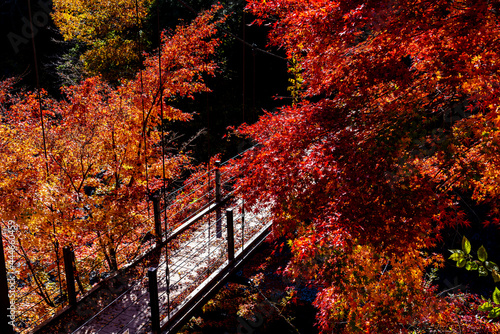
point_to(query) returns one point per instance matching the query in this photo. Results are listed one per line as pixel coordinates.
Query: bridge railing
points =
(191, 261)
(172, 287)
(57, 284)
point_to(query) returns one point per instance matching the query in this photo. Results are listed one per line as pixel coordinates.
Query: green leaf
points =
(456, 257)
(461, 263)
(495, 313)
(491, 265)
(471, 265)
(496, 296)
(483, 271)
(475, 265)
(466, 245)
(486, 307)
(468, 265)
(482, 254)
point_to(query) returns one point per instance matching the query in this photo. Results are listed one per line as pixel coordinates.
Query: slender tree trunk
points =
(112, 254)
(77, 277)
(55, 242)
(39, 285)
(104, 250)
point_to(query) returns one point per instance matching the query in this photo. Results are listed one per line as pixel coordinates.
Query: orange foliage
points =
(81, 179)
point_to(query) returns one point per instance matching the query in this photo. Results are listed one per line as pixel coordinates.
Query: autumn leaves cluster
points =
(394, 126)
(110, 33)
(395, 130)
(78, 171)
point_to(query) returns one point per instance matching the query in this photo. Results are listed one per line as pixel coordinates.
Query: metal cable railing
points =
(92, 263)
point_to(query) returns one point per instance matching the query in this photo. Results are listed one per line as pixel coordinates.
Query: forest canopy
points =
(386, 153)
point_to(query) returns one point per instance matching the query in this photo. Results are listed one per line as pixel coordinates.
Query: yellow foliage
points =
(105, 28)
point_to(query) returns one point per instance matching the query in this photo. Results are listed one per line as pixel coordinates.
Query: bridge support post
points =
(230, 235)
(153, 300)
(243, 224)
(68, 256)
(156, 212)
(218, 211)
(5, 311)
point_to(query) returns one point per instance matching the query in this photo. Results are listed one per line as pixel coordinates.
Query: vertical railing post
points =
(5, 311)
(70, 275)
(153, 300)
(218, 211)
(242, 224)
(230, 235)
(157, 215)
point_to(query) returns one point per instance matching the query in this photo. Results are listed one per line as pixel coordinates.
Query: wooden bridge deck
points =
(198, 266)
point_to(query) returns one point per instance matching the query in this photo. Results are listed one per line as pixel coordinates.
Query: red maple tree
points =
(397, 100)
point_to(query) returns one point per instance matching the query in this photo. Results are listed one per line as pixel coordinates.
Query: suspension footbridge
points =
(199, 236)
